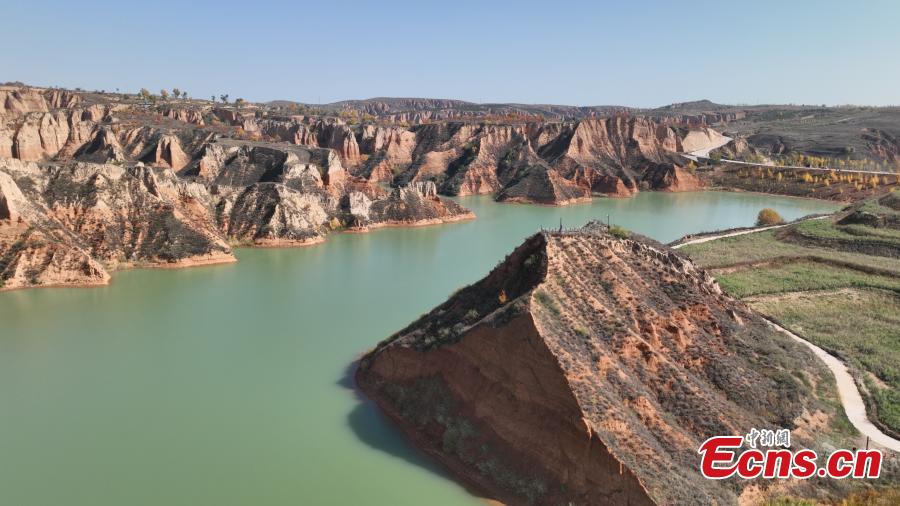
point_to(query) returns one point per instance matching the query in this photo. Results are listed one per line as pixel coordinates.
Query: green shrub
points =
(546, 300)
(620, 232)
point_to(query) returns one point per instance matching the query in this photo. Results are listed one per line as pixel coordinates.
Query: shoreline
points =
(468, 216)
(125, 266)
(232, 259)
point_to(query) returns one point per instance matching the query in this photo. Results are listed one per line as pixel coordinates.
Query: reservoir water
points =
(229, 385)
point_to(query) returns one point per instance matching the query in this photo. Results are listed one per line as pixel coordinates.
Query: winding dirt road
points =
(847, 390)
(743, 232)
(849, 394)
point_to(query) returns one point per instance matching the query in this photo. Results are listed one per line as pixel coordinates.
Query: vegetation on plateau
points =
(836, 282)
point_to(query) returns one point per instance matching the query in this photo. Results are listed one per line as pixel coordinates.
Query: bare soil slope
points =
(588, 369)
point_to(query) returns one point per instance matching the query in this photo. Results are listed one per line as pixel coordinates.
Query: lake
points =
(230, 385)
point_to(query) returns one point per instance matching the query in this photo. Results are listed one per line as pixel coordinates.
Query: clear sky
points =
(638, 53)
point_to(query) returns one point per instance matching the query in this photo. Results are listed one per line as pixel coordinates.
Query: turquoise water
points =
(228, 385)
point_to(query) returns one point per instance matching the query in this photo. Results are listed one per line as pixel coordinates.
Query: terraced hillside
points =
(836, 282)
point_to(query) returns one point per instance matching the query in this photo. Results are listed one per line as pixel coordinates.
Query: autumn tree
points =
(768, 217)
(164, 94)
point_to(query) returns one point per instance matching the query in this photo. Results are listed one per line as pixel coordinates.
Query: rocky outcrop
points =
(229, 164)
(320, 133)
(73, 223)
(244, 119)
(391, 149)
(552, 163)
(103, 147)
(483, 165)
(87, 135)
(168, 153)
(36, 251)
(442, 151)
(703, 118)
(61, 99)
(161, 146)
(36, 136)
(533, 180)
(16, 101)
(574, 159)
(673, 178)
(190, 115)
(271, 214)
(612, 153)
(271, 195)
(415, 204)
(340, 138)
(588, 369)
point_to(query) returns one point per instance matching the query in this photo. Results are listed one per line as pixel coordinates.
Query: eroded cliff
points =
(72, 223)
(522, 160)
(588, 369)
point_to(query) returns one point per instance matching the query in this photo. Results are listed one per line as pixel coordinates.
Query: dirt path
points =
(729, 234)
(741, 232)
(849, 394)
(847, 391)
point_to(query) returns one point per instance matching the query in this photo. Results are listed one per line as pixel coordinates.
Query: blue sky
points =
(639, 53)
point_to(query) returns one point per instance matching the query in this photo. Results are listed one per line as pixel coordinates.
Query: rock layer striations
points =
(588, 369)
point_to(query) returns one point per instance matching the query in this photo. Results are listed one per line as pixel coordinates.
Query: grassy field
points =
(840, 289)
(877, 206)
(861, 230)
(825, 229)
(762, 246)
(867, 339)
(800, 276)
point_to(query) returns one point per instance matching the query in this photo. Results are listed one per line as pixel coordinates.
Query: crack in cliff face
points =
(596, 365)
